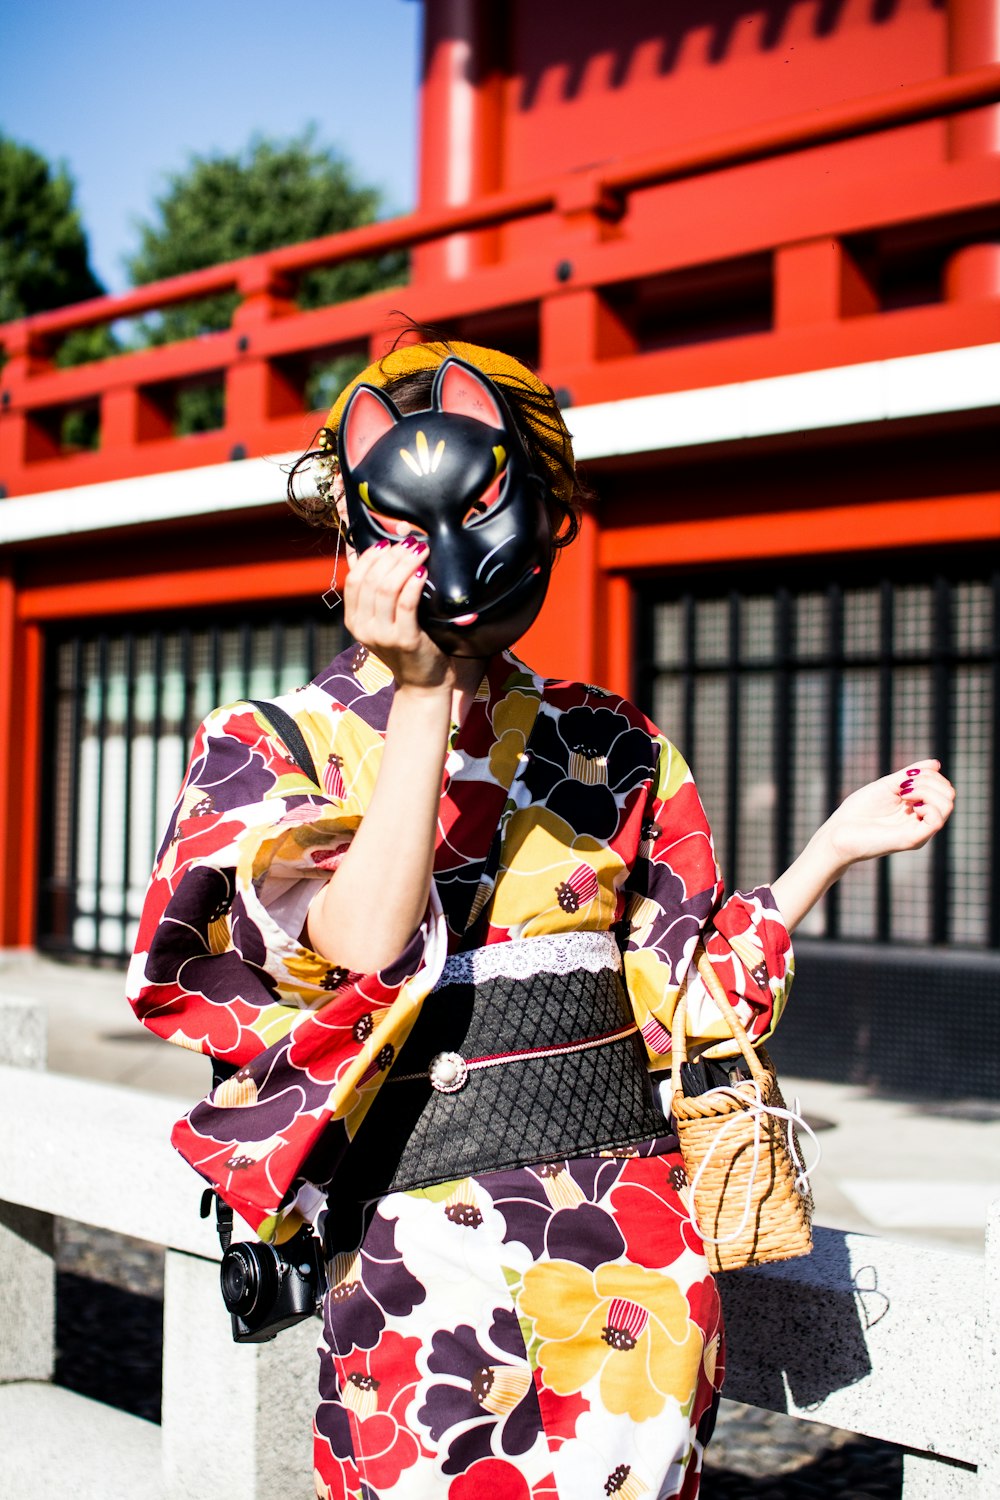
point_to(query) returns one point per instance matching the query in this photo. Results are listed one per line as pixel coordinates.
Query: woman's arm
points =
(901, 811)
(368, 911)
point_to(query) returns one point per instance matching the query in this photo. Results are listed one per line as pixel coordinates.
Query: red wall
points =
(611, 81)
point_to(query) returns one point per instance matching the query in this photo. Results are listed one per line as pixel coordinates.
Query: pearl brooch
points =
(447, 1072)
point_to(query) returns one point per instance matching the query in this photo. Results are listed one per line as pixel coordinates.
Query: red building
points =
(756, 249)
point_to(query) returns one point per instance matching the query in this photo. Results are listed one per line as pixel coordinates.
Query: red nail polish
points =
(914, 772)
(420, 573)
(906, 786)
(916, 803)
(380, 545)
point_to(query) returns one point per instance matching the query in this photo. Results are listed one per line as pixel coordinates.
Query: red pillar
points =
(579, 325)
(616, 622)
(20, 747)
(22, 438)
(257, 390)
(461, 99)
(818, 281)
(130, 416)
(563, 640)
(973, 41)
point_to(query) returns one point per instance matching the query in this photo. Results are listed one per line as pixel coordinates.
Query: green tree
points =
(223, 207)
(44, 260)
(45, 263)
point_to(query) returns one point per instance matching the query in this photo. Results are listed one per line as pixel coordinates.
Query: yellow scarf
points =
(500, 368)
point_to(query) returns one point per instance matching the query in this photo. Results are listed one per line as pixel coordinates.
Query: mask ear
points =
(466, 392)
(367, 417)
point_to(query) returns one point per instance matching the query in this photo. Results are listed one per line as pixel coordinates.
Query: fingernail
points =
(420, 573)
(380, 545)
(906, 786)
(916, 803)
(914, 772)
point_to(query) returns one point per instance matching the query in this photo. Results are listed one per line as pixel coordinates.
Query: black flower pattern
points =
(585, 762)
(486, 1389)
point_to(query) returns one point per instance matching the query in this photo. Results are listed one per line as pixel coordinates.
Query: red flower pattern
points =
(492, 1477)
(650, 1209)
(378, 1385)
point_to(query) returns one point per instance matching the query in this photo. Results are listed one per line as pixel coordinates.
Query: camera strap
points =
(290, 734)
(223, 1213)
(294, 741)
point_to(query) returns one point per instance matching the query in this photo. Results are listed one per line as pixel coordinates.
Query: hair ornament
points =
(325, 465)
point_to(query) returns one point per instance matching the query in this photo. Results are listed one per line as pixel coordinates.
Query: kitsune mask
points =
(458, 475)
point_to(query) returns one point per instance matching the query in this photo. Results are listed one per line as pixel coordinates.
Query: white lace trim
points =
(556, 953)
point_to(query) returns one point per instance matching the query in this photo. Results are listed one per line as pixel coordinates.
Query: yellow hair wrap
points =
(546, 422)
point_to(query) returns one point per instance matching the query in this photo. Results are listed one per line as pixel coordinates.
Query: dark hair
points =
(412, 392)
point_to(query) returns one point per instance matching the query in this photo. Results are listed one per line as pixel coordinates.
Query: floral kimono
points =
(546, 1326)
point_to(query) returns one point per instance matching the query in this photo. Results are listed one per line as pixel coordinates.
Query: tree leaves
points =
(223, 207)
(43, 247)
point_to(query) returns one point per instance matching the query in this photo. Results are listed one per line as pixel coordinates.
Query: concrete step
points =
(54, 1442)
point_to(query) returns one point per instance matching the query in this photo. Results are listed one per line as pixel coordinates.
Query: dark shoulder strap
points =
(290, 735)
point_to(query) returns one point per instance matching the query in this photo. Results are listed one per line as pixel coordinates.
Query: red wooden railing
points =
(565, 304)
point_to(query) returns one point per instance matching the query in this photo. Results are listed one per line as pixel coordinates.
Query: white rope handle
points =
(756, 1108)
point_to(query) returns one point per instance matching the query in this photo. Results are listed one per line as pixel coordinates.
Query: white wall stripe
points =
(880, 391)
(883, 390)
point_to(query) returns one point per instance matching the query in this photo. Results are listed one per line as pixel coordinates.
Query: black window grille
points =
(786, 691)
(124, 701)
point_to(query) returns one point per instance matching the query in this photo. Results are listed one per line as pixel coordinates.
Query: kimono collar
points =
(360, 681)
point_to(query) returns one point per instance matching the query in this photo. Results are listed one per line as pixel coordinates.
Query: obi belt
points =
(524, 1052)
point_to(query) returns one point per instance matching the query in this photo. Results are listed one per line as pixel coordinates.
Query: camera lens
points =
(249, 1278)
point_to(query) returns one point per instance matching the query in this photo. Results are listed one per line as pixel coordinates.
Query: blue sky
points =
(124, 92)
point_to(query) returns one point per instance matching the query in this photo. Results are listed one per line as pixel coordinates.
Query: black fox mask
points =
(458, 475)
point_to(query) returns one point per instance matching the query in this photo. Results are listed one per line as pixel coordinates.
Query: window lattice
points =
(124, 706)
(783, 699)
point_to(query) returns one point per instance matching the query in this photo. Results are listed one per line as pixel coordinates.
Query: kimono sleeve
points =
(674, 901)
(214, 970)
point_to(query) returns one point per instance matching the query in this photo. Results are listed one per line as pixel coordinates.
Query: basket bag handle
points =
(714, 985)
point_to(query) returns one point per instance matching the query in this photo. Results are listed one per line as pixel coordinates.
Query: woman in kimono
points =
(444, 965)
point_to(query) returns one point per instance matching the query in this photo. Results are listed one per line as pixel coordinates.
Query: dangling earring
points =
(325, 467)
(333, 596)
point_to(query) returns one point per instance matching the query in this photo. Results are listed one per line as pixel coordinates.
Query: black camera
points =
(269, 1287)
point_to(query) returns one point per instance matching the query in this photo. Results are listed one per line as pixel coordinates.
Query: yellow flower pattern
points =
(512, 721)
(626, 1326)
(546, 886)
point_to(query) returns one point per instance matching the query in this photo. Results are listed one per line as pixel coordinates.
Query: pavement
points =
(905, 1169)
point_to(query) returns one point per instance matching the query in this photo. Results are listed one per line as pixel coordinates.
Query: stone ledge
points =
(55, 1442)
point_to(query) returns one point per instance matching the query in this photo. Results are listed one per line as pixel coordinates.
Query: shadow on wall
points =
(616, 33)
(800, 1348)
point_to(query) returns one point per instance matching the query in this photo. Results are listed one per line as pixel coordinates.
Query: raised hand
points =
(895, 813)
(898, 812)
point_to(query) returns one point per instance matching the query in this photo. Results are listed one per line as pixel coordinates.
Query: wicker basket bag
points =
(750, 1199)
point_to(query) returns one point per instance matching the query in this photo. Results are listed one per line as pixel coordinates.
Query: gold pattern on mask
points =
(425, 462)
